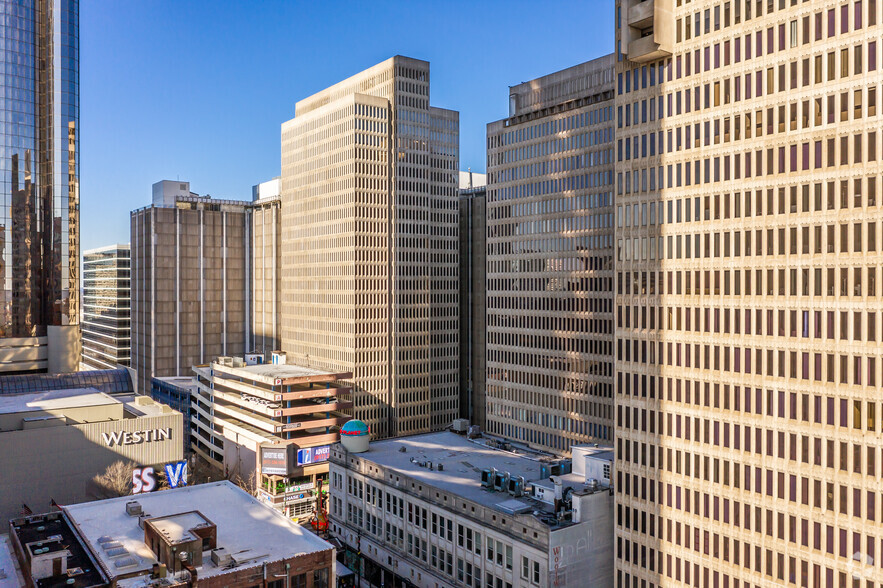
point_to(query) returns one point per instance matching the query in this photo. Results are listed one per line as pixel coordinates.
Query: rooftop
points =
(462, 459)
(52, 400)
(54, 529)
(244, 526)
(177, 528)
(276, 374)
(10, 576)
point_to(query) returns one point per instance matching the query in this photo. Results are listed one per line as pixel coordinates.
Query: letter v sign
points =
(176, 474)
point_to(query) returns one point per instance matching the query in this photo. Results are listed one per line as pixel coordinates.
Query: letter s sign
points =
(143, 480)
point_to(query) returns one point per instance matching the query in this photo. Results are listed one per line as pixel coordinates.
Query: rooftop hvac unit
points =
(487, 478)
(474, 432)
(501, 481)
(133, 508)
(516, 486)
(238, 362)
(460, 425)
(220, 557)
(224, 360)
(279, 358)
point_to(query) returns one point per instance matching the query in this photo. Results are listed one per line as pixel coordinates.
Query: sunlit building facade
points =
(550, 260)
(39, 187)
(370, 246)
(107, 337)
(748, 333)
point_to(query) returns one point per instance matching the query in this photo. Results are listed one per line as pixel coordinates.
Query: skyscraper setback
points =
(550, 260)
(748, 309)
(369, 244)
(39, 217)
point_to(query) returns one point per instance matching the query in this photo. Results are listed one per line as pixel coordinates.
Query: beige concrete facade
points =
(265, 220)
(748, 298)
(55, 442)
(369, 244)
(549, 261)
(189, 286)
(245, 413)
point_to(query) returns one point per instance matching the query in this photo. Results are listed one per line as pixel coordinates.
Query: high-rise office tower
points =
(265, 218)
(189, 287)
(550, 260)
(369, 244)
(473, 295)
(39, 193)
(748, 333)
(107, 336)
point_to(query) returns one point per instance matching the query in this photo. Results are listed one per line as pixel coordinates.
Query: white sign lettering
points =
(136, 437)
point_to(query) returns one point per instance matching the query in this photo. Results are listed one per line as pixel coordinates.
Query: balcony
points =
(647, 49)
(640, 14)
(648, 30)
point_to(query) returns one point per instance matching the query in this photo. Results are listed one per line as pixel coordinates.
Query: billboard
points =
(274, 460)
(309, 455)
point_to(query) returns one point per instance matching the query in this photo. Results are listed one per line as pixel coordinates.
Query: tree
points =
(115, 481)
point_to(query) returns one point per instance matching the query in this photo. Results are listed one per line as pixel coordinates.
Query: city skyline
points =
(187, 79)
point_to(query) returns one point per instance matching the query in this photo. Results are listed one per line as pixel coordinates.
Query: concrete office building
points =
(748, 308)
(107, 336)
(473, 295)
(189, 289)
(270, 424)
(211, 535)
(265, 220)
(550, 260)
(40, 188)
(55, 442)
(440, 511)
(369, 244)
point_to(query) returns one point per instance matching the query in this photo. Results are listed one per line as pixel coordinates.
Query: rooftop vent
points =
(126, 562)
(133, 508)
(220, 557)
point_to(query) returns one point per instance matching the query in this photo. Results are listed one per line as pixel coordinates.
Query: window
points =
(320, 578)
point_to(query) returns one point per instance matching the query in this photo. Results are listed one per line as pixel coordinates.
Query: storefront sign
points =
(311, 455)
(300, 487)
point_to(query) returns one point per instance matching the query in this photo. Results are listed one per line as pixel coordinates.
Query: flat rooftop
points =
(10, 576)
(276, 374)
(54, 530)
(462, 459)
(54, 400)
(245, 527)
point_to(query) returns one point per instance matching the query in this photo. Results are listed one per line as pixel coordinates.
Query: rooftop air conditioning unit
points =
(501, 481)
(220, 557)
(487, 478)
(460, 425)
(133, 508)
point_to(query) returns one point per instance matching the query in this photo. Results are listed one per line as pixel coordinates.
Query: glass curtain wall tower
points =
(39, 186)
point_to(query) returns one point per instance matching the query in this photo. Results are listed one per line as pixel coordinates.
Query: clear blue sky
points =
(197, 90)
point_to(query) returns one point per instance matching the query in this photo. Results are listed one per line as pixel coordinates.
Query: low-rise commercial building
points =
(271, 425)
(55, 442)
(440, 510)
(213, 535)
